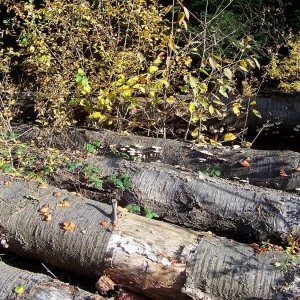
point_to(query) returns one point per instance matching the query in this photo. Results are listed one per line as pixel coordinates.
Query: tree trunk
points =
(265, 166)
(239, 211)
(280, 112)
(37, 286)
(157, 259)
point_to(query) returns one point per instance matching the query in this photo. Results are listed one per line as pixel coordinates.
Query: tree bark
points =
(37, 286)
(157, 259)
(280, 112)
(240, 211)
(264, 165)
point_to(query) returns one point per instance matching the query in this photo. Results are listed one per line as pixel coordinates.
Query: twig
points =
(49, 271)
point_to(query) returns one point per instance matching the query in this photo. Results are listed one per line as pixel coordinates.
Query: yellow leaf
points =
(203, 87)
(180, 17)
(211, 109)
(192, 107)
(64, 203)
(184, 25)
(171, 99)
(229, 137)
(171, 43)
(96, 115)
(153, 69)
(19, 289)
(195, 132)
(236, 110)
(69, 225)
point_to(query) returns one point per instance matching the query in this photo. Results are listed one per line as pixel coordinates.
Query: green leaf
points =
(155, 215)
(80, 72)
(257, 113)
(193, 81)
(78, 78)
(184, 88)
(84, 81)
(147, 210)
(222, 91)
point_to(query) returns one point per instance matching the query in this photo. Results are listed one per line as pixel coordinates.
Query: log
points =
(280, 112)
(240, 211)
(264, 165)
(36, 286)
(156, 259)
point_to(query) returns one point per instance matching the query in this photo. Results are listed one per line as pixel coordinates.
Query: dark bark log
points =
(151, 257)
(240, 211)
(264, 170)
(37, 286)
(281, 112)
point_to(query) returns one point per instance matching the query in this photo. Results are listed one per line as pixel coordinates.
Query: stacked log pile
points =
(205, 244)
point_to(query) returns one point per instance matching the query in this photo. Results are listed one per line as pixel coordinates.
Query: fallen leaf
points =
(19, 289)
(6, 182)
(69, 225)
(64, 203)
(105, 284)
(104, 223)
(83, 231)
(297, 169)
(47, 217)
(57, 194)
(282, 173)
(44, 209)
(43, 186)
(15, 175)
(245, 163)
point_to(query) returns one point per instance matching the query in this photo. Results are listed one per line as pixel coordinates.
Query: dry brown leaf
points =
(57, 194)
(15, 175)
(68, 225)
(245, 163)
(64, 203)
(105, 284)
(282, 173)
(104, 223)
(43, 186)
(297, 169)
(44, 209)
(6, 182)
(47, 217)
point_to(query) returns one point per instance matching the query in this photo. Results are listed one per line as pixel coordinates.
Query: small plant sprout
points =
(121, 182)
(215, 171)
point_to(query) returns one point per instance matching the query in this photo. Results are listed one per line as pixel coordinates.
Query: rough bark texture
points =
(26, 233)
(264, 169)
(249, 277)
(37, 286)
(282, 111)
(240, 211)
(157, 259)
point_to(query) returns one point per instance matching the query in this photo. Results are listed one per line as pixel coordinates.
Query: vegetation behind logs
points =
(144, 66)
